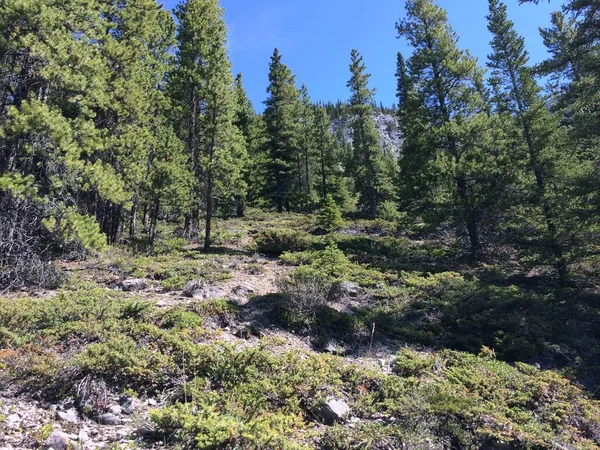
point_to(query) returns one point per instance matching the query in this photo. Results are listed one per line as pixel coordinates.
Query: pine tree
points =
(307, 149)
(519, 95)
(371, 179)
(329, 178)
(450, 162)
(205, 87)
(282, 119)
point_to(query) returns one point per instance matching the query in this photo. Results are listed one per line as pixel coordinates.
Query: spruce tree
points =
(518, 94)
(330, 215)
(205, 86)
(282, 120)
(371, 179)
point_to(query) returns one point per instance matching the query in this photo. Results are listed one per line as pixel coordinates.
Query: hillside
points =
(177, 348)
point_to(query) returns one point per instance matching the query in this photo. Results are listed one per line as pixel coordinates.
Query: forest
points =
(178, 270)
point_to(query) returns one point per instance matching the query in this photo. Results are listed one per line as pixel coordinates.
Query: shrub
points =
(276, 241)
(303, 297)
(24, 241)
(330, 215)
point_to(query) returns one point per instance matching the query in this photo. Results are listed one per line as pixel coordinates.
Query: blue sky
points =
(315, 38)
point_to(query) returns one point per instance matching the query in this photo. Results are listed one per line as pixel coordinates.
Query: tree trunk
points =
(154, 220)
(470, 221)
(209, 212)
(133, 218)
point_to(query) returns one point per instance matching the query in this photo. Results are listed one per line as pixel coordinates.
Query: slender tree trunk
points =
(133, 218)
(154, 220)
(145, 218)
(240, 207)
(300, 177)
(323, 175)
(209, 212)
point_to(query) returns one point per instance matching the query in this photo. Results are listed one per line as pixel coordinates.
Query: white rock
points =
(133, 284)
(83, 436)
(68, 416)
(57, 441)
(334, 410)
(13, 422)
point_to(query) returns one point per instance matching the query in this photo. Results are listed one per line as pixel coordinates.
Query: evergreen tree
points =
(371, 179)
(330, 215)
(450, 162)
(307, 149)
(282, 120)
(205, 86)
(518, 94)
(329, 179)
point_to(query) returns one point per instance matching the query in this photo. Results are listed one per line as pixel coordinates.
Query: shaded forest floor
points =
(176, 348)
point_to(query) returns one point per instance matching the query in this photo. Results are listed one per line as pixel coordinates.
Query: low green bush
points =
(279, 240)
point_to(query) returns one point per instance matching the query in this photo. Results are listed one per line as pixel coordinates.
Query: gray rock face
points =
(57, 441)
(390, 138)
(198, 289)
(133, 285)
(68, 416)
(334, 410)
(109, 419)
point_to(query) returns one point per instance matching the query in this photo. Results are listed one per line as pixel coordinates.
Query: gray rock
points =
(57, 441)
(334, 348)
(127, 405)
(334, 410)
(344, 290)
(116, 410)
(192, 287)
(67, 416)
(244, 289)
(390, 137)
(198, 289)
(109, 419)
(13, 422)
(133, 285)
(162, 304)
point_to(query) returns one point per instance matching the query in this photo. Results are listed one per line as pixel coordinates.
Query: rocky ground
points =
(379, 359)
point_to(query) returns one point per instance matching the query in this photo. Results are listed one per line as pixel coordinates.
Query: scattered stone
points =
(334, 410)
(116, 410)
(345, 289)
(67, 416)
(162, 304)
(244, 289)
(83, 436)
(57, 441)
(334, 348)
(109, 419)
(152, 402)
(198, 290)
(133, 285)
(127, 405)
(13, 422)
(192, 287)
